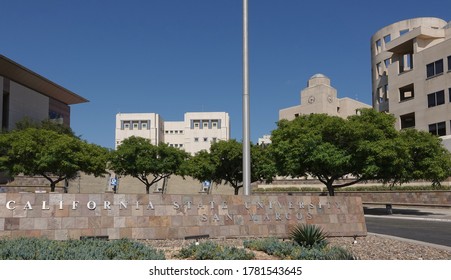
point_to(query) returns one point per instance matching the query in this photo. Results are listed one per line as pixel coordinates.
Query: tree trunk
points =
(330, 189)
(236, 190)
(147, 189)
(52, 186)
(66, 185)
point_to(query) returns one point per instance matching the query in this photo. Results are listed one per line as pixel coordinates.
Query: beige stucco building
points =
(194, 133)
(320, 97)
(25, 93)
(146, 125)
(411, 74)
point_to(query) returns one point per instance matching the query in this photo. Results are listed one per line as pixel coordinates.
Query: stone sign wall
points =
(71, 216)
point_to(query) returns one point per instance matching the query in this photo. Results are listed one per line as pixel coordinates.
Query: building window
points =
(214, 139)
(196, 124)
(449, 63)
(379, 69)
(406, 93)
(449, 94)
(387, 62)
(127, 125)
(378, 46)
(180, 145)
(181, 131)
(402, 32)
(196, 139)
(434, 68)
(438, 129)
(205, 139)
(205, 124)
(214, 124)
(387, 39)
(407, 120)
(436, 98)
(382, 93)
(406, 63)
(144, 125)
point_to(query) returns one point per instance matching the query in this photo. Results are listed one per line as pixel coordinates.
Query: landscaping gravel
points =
(370, 247)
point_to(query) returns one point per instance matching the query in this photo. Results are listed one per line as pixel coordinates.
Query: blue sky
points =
(177, 56)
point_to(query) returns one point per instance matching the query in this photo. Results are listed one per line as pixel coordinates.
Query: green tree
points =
(428, 158)
(50, 154)
(364, 146)
(46, 124)
(224, 163)
(201, 166)
(138, 158)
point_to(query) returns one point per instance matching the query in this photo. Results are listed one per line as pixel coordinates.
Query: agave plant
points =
(308, 235)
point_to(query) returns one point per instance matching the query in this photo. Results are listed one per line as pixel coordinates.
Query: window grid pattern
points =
(436, 98)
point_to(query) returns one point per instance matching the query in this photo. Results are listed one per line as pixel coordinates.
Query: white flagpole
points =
(246, 126)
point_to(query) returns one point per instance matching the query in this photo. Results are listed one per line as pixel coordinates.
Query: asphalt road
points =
(436, 232)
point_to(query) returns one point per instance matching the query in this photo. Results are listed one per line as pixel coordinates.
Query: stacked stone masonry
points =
(72, 216)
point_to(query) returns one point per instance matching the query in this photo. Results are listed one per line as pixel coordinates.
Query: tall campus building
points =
(411, 74)
(196, 132)
(26, 94)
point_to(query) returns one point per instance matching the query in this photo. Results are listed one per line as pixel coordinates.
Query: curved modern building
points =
(411, 73)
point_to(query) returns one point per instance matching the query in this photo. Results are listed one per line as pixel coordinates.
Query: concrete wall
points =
(127, 185)
(71, 216)
(413, 198)
(425, 198)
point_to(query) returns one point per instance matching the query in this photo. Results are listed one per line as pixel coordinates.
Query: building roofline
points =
(399, 44)
(24, 76)
(418, 20)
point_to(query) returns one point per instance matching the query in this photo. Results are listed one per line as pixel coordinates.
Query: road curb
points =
(410, 218)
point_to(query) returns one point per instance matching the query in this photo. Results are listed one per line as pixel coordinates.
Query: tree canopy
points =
(224, 163)
(427, 158)
(50, 154)
(138, 158)
(46, 124)
(363, 147)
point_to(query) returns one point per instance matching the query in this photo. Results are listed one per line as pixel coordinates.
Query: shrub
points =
(397, 188)
(88, 249)
(289, 189)
(293, 251)
(322, 253)
(271, 246)
(308, 235)
(374, 188)
(212, 251)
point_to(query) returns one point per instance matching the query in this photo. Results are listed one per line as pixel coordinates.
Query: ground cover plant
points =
(290, 250)
(307, 242)
(209, 250)
(88, 249)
